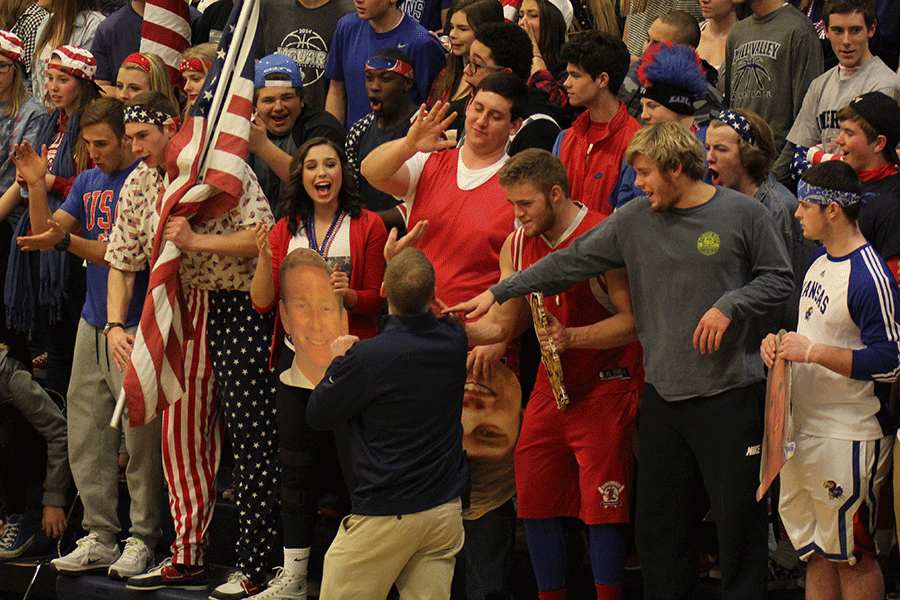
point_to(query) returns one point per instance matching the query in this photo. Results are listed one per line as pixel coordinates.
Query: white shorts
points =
(823, 486)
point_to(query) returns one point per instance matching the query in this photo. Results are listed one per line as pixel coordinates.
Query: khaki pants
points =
(416, 551)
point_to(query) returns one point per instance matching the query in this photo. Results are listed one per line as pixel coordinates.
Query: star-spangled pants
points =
(227, 362)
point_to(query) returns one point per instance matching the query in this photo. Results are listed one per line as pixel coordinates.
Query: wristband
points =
(112, 325)
(63, 244)
(808, 350)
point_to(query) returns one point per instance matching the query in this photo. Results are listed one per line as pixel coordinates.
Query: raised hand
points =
(426, 134)
(30, 167)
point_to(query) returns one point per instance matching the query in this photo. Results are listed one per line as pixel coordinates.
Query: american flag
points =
(167, 32)
(205, 163)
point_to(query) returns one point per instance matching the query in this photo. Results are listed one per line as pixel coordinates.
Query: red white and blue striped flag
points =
(167, 32)
(205, 164)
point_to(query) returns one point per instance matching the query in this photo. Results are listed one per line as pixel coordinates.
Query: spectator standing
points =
(322, 214)
(574, 462)
(31, 425)
(849, 26)
(96, 381)
(720, 15)
(377, 24)
(282, 123)
(699, 378)
(593, 148)
(771, 59)
(117, 37)
(401, 395)
(303, 30)
(70, 22)
(466, 16)
(23, 17)
(740, 150)
(22, 118)
(844, 358)
(388, 82)
(217, 266)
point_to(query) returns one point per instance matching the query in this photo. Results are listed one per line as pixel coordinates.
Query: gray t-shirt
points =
(817, 121)
(724, 253)
(304, 34)
(769, 65)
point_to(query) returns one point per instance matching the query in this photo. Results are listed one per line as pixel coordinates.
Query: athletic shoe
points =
(135, 559)
(17, 537)
(283, 587)
(89, 555)
(169, 575)
(237, 587)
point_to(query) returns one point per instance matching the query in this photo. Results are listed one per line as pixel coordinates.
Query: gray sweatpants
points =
(94, 446)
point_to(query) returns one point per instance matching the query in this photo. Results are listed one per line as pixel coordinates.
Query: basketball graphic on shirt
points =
(309, 50)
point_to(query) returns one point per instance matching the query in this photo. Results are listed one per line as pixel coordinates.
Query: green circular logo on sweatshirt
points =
(708, 243)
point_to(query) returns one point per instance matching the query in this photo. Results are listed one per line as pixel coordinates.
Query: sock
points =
(609, 592)
(557, 595)
(608, 552)
(295, 562)
(547, 548)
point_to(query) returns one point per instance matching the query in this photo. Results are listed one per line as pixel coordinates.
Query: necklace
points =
(329, 235)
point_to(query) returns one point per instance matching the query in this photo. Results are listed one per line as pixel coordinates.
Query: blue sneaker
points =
(17, 537)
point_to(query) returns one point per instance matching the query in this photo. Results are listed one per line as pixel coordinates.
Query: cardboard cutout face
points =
(313, 316)
(491, 418)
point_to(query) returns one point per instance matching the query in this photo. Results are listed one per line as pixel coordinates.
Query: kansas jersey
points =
(848, 302)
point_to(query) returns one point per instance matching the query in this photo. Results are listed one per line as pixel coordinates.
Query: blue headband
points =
(740, 124)
(139, 113)
(825, 196)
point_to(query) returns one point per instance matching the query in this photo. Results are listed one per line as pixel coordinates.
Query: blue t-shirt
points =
(426, 12)
(355, 41)
(118, 36)
(93, 200)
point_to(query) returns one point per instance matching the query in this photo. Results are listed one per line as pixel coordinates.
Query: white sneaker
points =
(135, 559)
(237, 587)
(89, 555)
(283, 587)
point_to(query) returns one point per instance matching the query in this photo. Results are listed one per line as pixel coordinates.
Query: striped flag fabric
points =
(167, 32)
(205, 164)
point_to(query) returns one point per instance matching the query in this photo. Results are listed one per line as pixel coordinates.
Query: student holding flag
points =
(201, 350)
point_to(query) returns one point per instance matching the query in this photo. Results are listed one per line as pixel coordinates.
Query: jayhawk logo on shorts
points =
(611, 491)
(809, 312)
(834, 490)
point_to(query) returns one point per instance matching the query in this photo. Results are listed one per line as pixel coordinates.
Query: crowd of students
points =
(669, 181)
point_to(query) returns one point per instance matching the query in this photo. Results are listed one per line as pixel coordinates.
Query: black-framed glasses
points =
(475, 66)
(5, 67)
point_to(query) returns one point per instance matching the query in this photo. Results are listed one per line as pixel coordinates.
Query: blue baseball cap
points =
(278, 63)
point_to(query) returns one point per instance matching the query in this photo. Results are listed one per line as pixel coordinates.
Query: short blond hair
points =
(669, 145)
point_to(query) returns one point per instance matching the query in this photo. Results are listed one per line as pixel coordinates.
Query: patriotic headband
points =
(740, 124)
(139, 60)
(825, 196)
(140, 113)
(382, 63)
(194, 64)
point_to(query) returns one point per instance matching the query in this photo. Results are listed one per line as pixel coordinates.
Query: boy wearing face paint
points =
(283, 122)
(845, 354)
(389, 78)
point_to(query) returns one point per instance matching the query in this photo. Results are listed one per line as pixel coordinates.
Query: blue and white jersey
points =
(848, 302)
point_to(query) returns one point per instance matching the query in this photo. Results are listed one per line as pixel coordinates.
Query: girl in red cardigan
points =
(321, 211)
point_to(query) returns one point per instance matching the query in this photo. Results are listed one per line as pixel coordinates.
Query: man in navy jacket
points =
(401, 394)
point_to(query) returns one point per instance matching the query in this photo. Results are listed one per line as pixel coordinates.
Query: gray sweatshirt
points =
(724, 253)
(21, 391)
